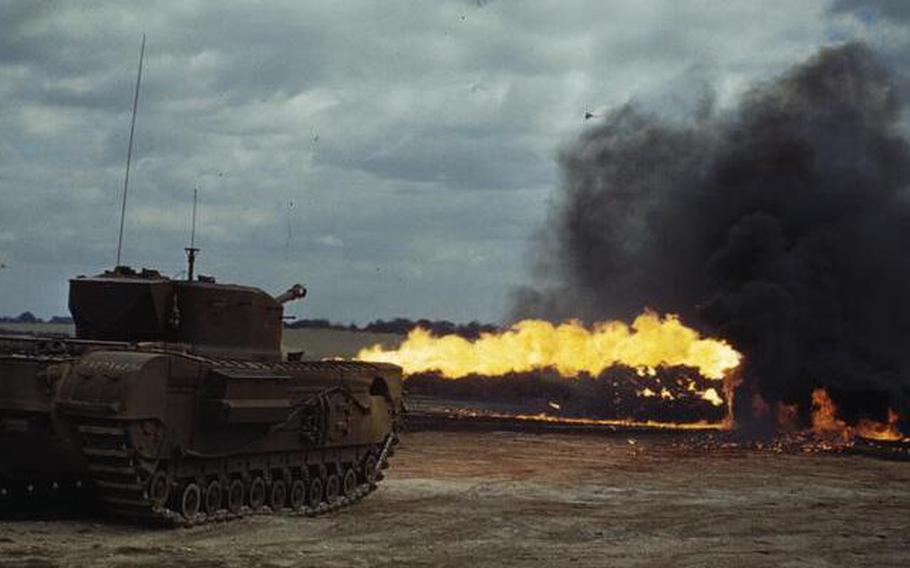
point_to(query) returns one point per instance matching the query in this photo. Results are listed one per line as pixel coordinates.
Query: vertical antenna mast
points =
(129, 152)
(192, 250)
(193, 231)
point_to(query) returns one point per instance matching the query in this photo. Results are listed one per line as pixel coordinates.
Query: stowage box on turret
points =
(174, 403)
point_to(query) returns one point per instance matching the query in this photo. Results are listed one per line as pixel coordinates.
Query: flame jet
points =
(571, 349)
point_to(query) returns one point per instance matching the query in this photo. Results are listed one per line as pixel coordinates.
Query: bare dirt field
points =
(514, 499)
(318, 343)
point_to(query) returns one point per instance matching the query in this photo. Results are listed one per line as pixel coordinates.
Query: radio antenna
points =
(129, 151)
(192, 250)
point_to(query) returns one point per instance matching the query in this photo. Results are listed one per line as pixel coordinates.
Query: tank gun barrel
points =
(295, 292)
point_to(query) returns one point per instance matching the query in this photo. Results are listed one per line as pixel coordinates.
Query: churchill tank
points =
(173, 403)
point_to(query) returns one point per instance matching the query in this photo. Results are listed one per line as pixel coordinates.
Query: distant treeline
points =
(29, 317)
(401, 326)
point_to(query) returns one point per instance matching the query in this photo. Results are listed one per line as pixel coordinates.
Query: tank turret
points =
(210, 318)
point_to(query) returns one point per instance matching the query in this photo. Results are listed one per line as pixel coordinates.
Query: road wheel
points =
(332, 487)
(159, 489)
(315, 494)
(349, 482)
(257, 493)
(190, 500)
(298, 495)
(213, 497)
(235, 496)
(369, 469)
(279, 495)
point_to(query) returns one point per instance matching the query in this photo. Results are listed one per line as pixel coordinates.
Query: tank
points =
(174, 403)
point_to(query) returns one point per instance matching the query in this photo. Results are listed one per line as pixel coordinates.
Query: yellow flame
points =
(824, 414)
(569, 347)
(873, 430)
(711, 396)
(619, 422)
(825, 420)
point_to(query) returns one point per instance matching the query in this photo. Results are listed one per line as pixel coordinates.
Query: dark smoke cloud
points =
(896, 10)
(783, 225)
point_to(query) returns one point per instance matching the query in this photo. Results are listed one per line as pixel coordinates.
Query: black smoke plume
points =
(782, 225)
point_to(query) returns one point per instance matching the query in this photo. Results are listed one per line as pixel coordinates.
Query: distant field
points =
(319, 343)
(315, 343)
(55, 328)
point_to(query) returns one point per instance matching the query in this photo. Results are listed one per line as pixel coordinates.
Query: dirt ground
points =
(514, 499)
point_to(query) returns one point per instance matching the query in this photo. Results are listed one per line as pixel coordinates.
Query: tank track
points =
(130, 488)
(42, 499)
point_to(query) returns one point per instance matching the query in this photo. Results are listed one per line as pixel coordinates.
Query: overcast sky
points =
(395, 156)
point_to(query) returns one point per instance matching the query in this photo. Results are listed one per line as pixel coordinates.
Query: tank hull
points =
(160, 432)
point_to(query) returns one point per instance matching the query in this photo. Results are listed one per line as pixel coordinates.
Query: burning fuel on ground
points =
(655, 373)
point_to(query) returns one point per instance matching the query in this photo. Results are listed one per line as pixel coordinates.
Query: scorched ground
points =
(513, 499)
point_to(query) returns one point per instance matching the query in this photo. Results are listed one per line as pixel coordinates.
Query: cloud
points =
(423, 137)
(867, 9)
(330, 241)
